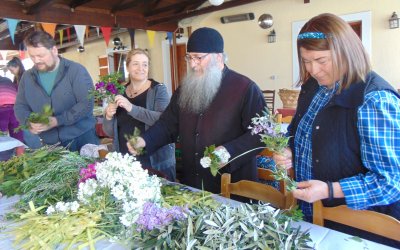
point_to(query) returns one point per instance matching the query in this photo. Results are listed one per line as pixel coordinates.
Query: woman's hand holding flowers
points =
(123, 103)
(283, 159)
(140, 144)
(111, 109)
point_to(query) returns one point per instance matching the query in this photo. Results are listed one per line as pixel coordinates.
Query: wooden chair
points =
(267, 175)
(102, 153)
(269, 96)
(257, 191)
(370, 221)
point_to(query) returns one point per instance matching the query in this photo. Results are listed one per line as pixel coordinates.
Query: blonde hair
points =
(349, 57)
(136, 52)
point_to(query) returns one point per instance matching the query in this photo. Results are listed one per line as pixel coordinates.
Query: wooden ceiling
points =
(157, 15)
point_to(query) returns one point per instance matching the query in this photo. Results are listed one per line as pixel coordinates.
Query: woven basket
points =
(289, 97)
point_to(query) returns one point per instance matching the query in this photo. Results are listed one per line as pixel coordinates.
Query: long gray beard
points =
(197, 92)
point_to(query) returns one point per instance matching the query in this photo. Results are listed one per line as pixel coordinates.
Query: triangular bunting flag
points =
(169, 36)
(21, 51)
(151, 35)
(132, 35)
(80, 33)
(106, 34)
(87, 32)
(50, 28)
(3, 54)
(12, 26)
(61, 35)
(68, 34)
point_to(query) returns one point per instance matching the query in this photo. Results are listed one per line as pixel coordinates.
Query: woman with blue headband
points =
(345, 135)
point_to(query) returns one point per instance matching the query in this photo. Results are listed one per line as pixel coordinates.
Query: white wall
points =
(247, 47)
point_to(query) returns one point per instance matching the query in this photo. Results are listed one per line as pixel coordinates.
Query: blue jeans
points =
(77, 143)
(32, 140)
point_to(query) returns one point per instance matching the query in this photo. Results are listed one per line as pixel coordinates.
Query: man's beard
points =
(197, 92)
(47, 68)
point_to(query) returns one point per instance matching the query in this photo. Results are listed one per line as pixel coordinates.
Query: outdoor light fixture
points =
(394, 21)
(117, 41)
(216, 2)
(272, 36)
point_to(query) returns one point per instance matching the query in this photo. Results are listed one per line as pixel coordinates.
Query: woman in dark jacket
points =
(345, 135)
(140, 106)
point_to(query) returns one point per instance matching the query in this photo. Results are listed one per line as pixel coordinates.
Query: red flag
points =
(106, 34)
(69, 34)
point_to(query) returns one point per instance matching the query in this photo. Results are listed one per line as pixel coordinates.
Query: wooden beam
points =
(127, 5)
(37, 7)
(176, 7)
(63, 15)
(77, 3)
(205, 10)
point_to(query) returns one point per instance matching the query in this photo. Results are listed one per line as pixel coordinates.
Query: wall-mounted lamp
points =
(81, 49)
(272, 36)
(394, 21)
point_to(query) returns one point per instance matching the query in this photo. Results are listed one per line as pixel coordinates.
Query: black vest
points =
(335, 140)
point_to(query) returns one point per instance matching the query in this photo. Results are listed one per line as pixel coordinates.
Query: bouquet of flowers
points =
(275, 140)
(271, 135)
(108, 87)
(42, 117)
(214, 159)
(132, 139)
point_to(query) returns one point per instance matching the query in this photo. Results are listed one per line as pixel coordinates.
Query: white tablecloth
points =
(323, 238)
(7, 143)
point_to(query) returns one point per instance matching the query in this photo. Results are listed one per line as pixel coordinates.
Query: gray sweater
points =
(68, 99)
(157, 100)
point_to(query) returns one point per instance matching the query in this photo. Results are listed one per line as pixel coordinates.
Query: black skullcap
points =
(205, 40)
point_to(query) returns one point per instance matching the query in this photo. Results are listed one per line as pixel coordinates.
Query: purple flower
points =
(111, 88)
(100, 85)
(87, 173)
(156, 217)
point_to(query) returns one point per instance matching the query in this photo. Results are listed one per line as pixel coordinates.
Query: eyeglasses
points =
(195, 59)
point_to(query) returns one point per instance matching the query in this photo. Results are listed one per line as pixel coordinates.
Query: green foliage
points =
(42, 117)
(215, 160)
(243, 227)
(19, 168)
(132, 140)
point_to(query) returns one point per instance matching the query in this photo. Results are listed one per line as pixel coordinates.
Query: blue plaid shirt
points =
(302, 142)
(379, 130)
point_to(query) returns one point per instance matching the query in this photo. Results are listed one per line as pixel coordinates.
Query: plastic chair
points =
(257, 191)
(370, 221)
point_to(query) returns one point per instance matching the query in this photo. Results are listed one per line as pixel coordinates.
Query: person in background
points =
(62, 84)
(140, 106)
(8, 122)
(214, 105)
(16, 67)
(345, 135)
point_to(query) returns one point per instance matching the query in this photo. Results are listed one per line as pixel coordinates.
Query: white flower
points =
(61, 207)
(128, 183)
(222, 154)
(205, 162)
(50, 210)
(73, 206)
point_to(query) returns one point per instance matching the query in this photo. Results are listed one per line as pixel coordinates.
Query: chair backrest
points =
(102, 153)
(255, 190)
(370, 221)
(267, 175)
(269, 96)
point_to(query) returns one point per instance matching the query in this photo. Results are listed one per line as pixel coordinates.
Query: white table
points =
(323, 238)
(7, 143)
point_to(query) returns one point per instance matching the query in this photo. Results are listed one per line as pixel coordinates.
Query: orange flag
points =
(50, 28)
